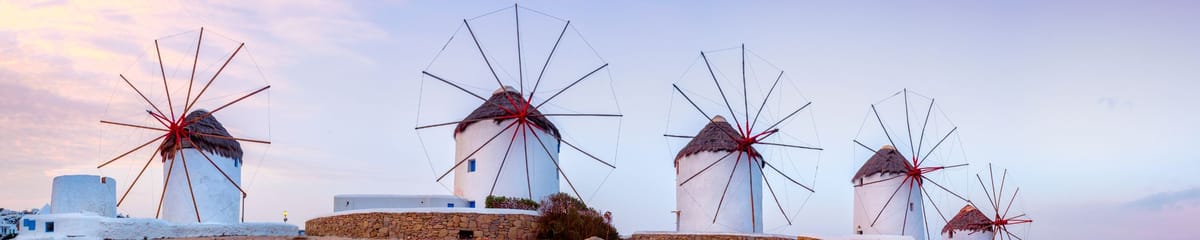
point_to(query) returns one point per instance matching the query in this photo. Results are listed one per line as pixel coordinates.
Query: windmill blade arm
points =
(489, 141)
(133, 125)
(789, 115)
(677, 136)
(878, 181)
(214, 164)
(889, 201)
(789, 178)
(772, 190)
(548, 57)
(722, 158)
(727, 182)
(864, 145)
(134, 150)
(791, 146)
(935, 146)
(210, 113)
(139, 92)
(881, 126)
(214, 77)
(945, 189)
(764, 101)
(585, 76)
(556, 165)
(230, 138)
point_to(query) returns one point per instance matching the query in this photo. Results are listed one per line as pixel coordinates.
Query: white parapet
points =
(91, 226)
(350, 202)
(218, 200)
(697, 201)
(84, 194)
(474, 181)
(901, 216)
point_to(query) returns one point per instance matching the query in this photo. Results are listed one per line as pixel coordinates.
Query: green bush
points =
(565, 217)
(511, 203)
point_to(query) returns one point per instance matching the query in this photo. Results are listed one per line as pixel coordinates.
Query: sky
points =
(1089, 104)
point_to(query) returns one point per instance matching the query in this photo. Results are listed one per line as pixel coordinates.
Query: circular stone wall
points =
(425, 225)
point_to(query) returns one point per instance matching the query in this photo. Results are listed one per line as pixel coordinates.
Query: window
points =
(471, 165)
(471, 204)
(29, 223)
(466, 234)
(450, 205)
(49, 227)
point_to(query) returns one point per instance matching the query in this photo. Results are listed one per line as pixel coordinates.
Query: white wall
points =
(347, 202)
(475, 186)
(869, 200)
(91, 226)
(84, 194)
(697, 200)
(968, 235)
(218, 200)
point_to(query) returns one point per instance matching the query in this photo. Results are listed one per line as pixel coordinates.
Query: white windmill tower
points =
(884, 172)
(510, 143)
(892, 194)
(481, 175)
(721, 171)
(968, 224)
(202, 161)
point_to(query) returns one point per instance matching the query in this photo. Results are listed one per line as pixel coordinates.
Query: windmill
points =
(546, 83)
(208, 187)
(721, 169)
(971, 223)
(891, 190)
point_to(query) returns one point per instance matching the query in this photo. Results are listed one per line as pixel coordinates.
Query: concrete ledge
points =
(91, 226)
(426, 223)
(718, 236)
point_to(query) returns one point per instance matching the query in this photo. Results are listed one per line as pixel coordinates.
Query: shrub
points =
(565, 217)
(511, 203)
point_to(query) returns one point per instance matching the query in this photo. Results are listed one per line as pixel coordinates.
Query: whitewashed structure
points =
(968, 224)
(697, 201)
(352, 202)
(84, 194)
(474, 178)
(874, 183)
(218, 200)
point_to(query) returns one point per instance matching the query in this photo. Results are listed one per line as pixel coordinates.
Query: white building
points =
(84, 194)
(697, 201)
(348, 202)
(474, 179)
(968, 224)
(874, 183)
(218, 200)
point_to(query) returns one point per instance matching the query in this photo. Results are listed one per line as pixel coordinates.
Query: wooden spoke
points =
(791, 146)
(889, 201)
(885, 131)
(685, 181)
(560, 91)
(214, 77)
(139, 176)
(229, 138)
(727, 182)
(139, 92)
(460, 162)
(810, 189)
(503, 161)
(133, 150)
(214, 164)
(556, 165)
(210, 113)
(722, 91)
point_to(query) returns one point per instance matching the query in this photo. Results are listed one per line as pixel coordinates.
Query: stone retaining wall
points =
(424, 225)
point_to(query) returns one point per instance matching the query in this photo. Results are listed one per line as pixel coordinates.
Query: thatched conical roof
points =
(714, 137)
(886, 160)
(208, 125)
(968, 219)
(496, 107)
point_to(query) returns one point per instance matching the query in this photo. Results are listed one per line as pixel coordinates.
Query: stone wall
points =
(709, 236)
(424, 225)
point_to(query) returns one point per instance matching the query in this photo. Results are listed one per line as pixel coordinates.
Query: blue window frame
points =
(49, 227)
(471, 165)
(29, 223)
(450, 205)
(471, 204)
